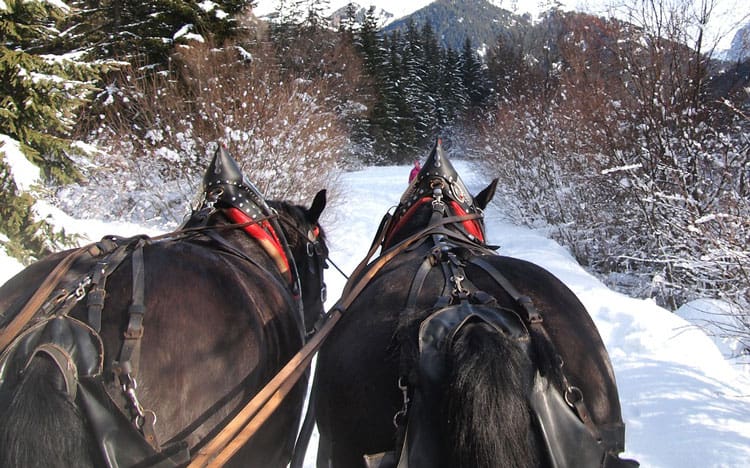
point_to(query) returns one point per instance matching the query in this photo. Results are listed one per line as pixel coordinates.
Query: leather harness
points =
(126, 435)
(571, 437)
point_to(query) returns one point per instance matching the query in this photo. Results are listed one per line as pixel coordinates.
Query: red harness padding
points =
(471, 226)
(402, 220)
(264, 233)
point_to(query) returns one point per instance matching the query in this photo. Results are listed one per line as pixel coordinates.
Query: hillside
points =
(455, 20)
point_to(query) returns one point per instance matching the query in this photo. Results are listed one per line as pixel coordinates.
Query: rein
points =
(244, 425)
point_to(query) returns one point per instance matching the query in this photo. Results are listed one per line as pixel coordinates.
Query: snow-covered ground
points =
(685, 404)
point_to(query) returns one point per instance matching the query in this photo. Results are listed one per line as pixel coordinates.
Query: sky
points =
(727, 17)
(685, 401)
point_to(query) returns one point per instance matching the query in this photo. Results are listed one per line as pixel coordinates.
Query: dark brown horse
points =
(449, 355)
(148, 346)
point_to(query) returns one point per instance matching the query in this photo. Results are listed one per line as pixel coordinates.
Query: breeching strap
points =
(535, 321)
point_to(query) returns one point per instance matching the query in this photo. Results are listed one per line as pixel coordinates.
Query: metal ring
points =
(573, 395)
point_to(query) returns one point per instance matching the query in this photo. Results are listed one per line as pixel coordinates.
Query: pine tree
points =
(41, 91)
(41, 88)
(474, 78)
(453, 95)
(414, 115)
(147, 31)
(370, 44)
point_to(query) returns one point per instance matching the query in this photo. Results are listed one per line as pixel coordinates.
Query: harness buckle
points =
(457, 279)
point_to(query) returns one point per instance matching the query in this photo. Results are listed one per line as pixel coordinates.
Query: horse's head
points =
(435, 194)
(307, 243)
(288, 234)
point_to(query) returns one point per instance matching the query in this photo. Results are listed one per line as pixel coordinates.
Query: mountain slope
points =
(455, 20)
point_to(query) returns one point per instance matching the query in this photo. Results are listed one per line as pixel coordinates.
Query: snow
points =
(24, 173)
(684, 388)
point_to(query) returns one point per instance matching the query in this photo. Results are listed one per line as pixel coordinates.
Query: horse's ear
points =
(484, 197)
(319, 202)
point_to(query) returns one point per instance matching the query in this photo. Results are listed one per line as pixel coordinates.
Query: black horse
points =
(147, 347)
(449, 355)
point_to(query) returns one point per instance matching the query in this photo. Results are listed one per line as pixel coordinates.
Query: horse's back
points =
(216, 325)
(360, 364)
(216, 328)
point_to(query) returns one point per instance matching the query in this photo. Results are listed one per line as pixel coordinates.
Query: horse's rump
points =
(571, 334)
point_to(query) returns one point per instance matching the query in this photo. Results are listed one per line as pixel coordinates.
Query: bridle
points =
(316, 253)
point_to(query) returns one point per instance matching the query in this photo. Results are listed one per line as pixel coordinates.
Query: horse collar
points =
(264, 233)
(438, 183)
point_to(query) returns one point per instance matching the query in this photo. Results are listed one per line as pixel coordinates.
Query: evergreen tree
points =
(146, 31)
(370, 44)
(348, 23)
(302, 38)
(473, 76)
(379, 59)
(453, 95)
(388, 113)
(414, 115)
(40, 92)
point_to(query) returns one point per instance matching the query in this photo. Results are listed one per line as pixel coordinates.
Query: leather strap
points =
(40, 296)
(102, 270)
(136, 312)
(65, 364)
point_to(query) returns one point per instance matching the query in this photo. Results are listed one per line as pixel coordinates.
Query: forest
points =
(626, 140)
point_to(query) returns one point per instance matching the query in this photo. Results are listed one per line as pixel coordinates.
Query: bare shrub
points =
(159, 130)
(637, 171)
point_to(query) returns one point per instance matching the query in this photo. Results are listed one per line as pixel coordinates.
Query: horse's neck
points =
(236, 241)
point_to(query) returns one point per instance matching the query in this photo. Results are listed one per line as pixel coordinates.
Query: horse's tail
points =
(488, 417)
(40, 425)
